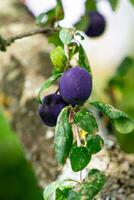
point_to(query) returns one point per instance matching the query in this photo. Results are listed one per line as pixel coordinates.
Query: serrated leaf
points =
(83, 60)
(58, 58)
(94, 143)
(47, 84)
(92, 185)
(113, 3)
(52, 16)
(79, 158)
(120, 120)
(85, 120)
(63, 136)
(66, 35)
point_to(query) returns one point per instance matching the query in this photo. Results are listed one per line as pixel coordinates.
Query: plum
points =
(75, 86)
(97, 24)
(50, 108)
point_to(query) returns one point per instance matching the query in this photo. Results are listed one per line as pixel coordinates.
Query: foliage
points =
(63, 136)
(114, 3)
(120, 120)
(58, 59)
(51, 16)
(76, 130)
(132, 1)
(47, 84)
(90, 5)
(75, 135)
(120, 88)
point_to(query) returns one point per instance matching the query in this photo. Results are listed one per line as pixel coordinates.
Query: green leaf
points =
(52, 16)
(73, 49)
(79, 158)
(83, 60)
(83, 23)
(42, 18)
(125, 66)
(47, 84)
(54, 39)
(74, 195)
(60, 195)
(51, 188)
(58, 58)
(121, 121)
(92, 185)
(85, 120)
(90, 5)
(63, 136)
(94, 143)
(66, 35)
(67, 194)
(123, 125)
(132, 1)
(114, 3)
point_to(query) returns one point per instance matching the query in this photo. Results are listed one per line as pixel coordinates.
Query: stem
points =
(77, 137)
(30, 33)
(66, 49)
(76, 132)
(72, 180)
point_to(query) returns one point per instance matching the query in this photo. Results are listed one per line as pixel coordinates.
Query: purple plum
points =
(97, 24)
(75, 86)
(50, 108)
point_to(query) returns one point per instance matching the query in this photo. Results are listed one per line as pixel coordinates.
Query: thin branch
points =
(30, 33)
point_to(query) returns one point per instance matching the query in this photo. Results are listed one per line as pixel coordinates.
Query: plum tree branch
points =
(8, 41)
(31, 33)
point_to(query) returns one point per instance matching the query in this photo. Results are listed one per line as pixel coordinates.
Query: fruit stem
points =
(76, 133)
(66, 49)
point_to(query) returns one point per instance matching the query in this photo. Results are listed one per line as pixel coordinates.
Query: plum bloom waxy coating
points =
(50, 108)
(97, 24)
(75, 86)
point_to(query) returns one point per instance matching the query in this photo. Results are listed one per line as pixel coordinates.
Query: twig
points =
(30, 33)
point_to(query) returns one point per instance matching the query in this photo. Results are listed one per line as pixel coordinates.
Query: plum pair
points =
(75, 87)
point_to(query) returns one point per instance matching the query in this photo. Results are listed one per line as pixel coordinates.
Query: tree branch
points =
(30, 33)
(5, 42)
